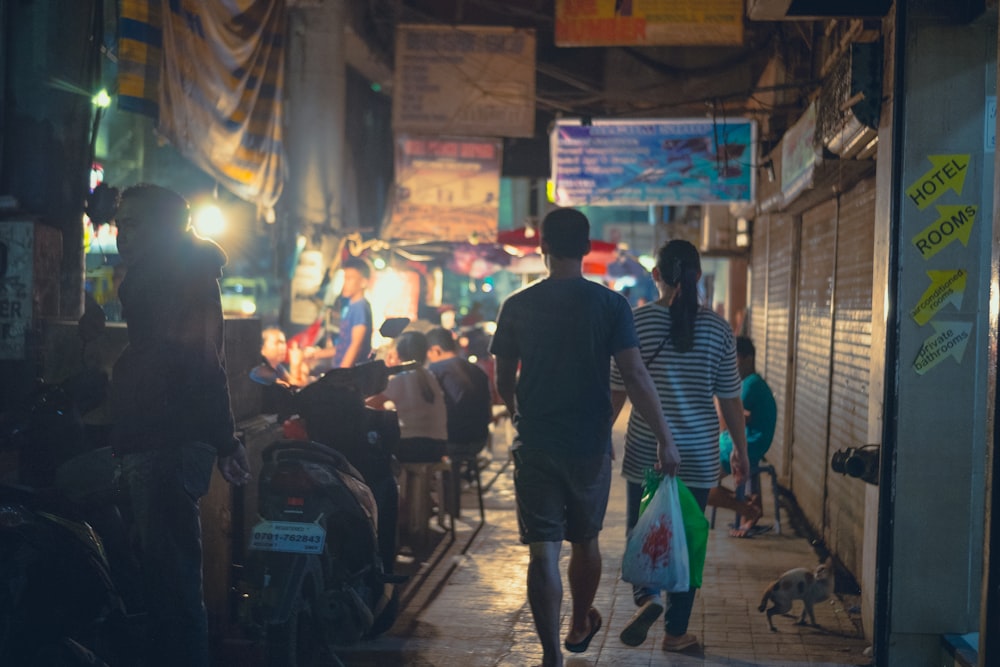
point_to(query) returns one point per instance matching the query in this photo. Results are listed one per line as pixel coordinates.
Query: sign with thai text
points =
(649, 22)
(464, 81)
(288, 536)
(652, 162)
(446, 190)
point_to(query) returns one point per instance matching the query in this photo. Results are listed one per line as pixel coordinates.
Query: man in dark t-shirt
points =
(553, 346)
(466, 392)
(468, 400)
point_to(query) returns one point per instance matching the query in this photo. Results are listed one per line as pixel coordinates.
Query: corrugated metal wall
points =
(845, 505)
(814, 328)
(776, 330)
(811, 321)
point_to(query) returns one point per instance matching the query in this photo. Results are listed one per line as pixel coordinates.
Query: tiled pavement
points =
(470, 608)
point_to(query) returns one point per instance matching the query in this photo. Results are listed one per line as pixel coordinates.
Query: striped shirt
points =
(686, 383)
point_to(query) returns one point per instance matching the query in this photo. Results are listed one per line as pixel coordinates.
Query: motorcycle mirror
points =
(393, 326)
(263, 374)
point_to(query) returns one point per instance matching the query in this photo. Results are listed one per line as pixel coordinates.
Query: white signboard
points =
(16, 264)
(465, 81)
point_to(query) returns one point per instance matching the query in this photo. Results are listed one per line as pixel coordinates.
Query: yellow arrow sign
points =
(946, 287)
(947, 173)
(955, 223)
(949, 340)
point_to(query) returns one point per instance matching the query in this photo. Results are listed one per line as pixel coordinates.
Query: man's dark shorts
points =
(560, 498)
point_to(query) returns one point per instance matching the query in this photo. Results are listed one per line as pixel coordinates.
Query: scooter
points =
(59, 600)
(318, 574)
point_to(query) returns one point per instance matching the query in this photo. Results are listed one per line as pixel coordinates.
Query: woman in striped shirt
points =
(690, 352)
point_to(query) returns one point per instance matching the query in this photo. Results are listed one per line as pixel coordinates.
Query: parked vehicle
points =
(64, 555)
(318, 574)
(246, 297)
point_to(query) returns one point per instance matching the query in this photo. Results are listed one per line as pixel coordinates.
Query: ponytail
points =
(680, 266)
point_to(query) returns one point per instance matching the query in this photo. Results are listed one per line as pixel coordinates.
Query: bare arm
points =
(377, 401)
(642, 393)
(618, 398)
(506, 381)
(358, 333)
(733, 415)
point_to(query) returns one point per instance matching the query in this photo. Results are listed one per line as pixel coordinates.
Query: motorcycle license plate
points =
(290, 536)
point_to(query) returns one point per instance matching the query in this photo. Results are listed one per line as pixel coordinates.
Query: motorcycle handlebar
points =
(400, 368)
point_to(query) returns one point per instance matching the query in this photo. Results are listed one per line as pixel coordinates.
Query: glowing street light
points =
(102, 99)
(208, 221)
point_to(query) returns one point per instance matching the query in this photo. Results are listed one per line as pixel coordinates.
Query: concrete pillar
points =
(315, 110)
(925, 524)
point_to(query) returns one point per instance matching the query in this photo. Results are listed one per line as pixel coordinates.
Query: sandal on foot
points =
(682, 643)
(642, 620)
(584, 644)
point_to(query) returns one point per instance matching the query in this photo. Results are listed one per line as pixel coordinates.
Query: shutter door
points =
(851, 352)
(773, 364)
(757, 312)
(812, 359)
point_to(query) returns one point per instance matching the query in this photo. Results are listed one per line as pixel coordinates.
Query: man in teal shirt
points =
(762, 414)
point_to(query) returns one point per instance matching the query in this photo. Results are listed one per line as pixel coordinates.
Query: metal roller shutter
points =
(845, 505)
(777, 331)
(812, 359)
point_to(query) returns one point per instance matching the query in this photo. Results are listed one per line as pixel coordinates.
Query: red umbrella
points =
(601, 253)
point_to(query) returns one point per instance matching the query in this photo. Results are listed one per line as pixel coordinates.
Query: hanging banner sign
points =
(446, 190)
(466, 81)
(955, 223)
(946, 287)
(652, 162)
(949, 340)
(948, 173)
(649, 22)
(799, 155)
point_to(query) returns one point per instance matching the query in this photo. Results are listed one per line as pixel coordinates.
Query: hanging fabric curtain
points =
(220, 67)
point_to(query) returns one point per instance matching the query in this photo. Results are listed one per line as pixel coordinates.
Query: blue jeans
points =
(679, 605)
(164, 486)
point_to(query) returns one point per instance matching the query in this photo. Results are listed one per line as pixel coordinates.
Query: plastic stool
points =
(755, 471)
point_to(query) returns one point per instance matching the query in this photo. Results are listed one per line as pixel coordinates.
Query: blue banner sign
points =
(653, 162)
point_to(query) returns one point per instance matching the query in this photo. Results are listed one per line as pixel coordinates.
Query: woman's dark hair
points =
(680, 266)
(412, 346)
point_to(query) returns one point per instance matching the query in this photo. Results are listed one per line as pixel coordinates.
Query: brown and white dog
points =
(799, 584)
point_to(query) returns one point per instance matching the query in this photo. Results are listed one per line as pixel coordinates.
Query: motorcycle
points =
(319, 570)
(59, 598)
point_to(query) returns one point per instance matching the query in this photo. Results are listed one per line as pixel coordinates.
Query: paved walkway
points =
(470, 608)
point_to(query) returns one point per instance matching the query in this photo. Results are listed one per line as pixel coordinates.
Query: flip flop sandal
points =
(584, 644)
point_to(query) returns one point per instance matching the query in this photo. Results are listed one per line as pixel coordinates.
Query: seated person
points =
(762, 414)
(467, 395)
(419, 402)
(275, 374)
